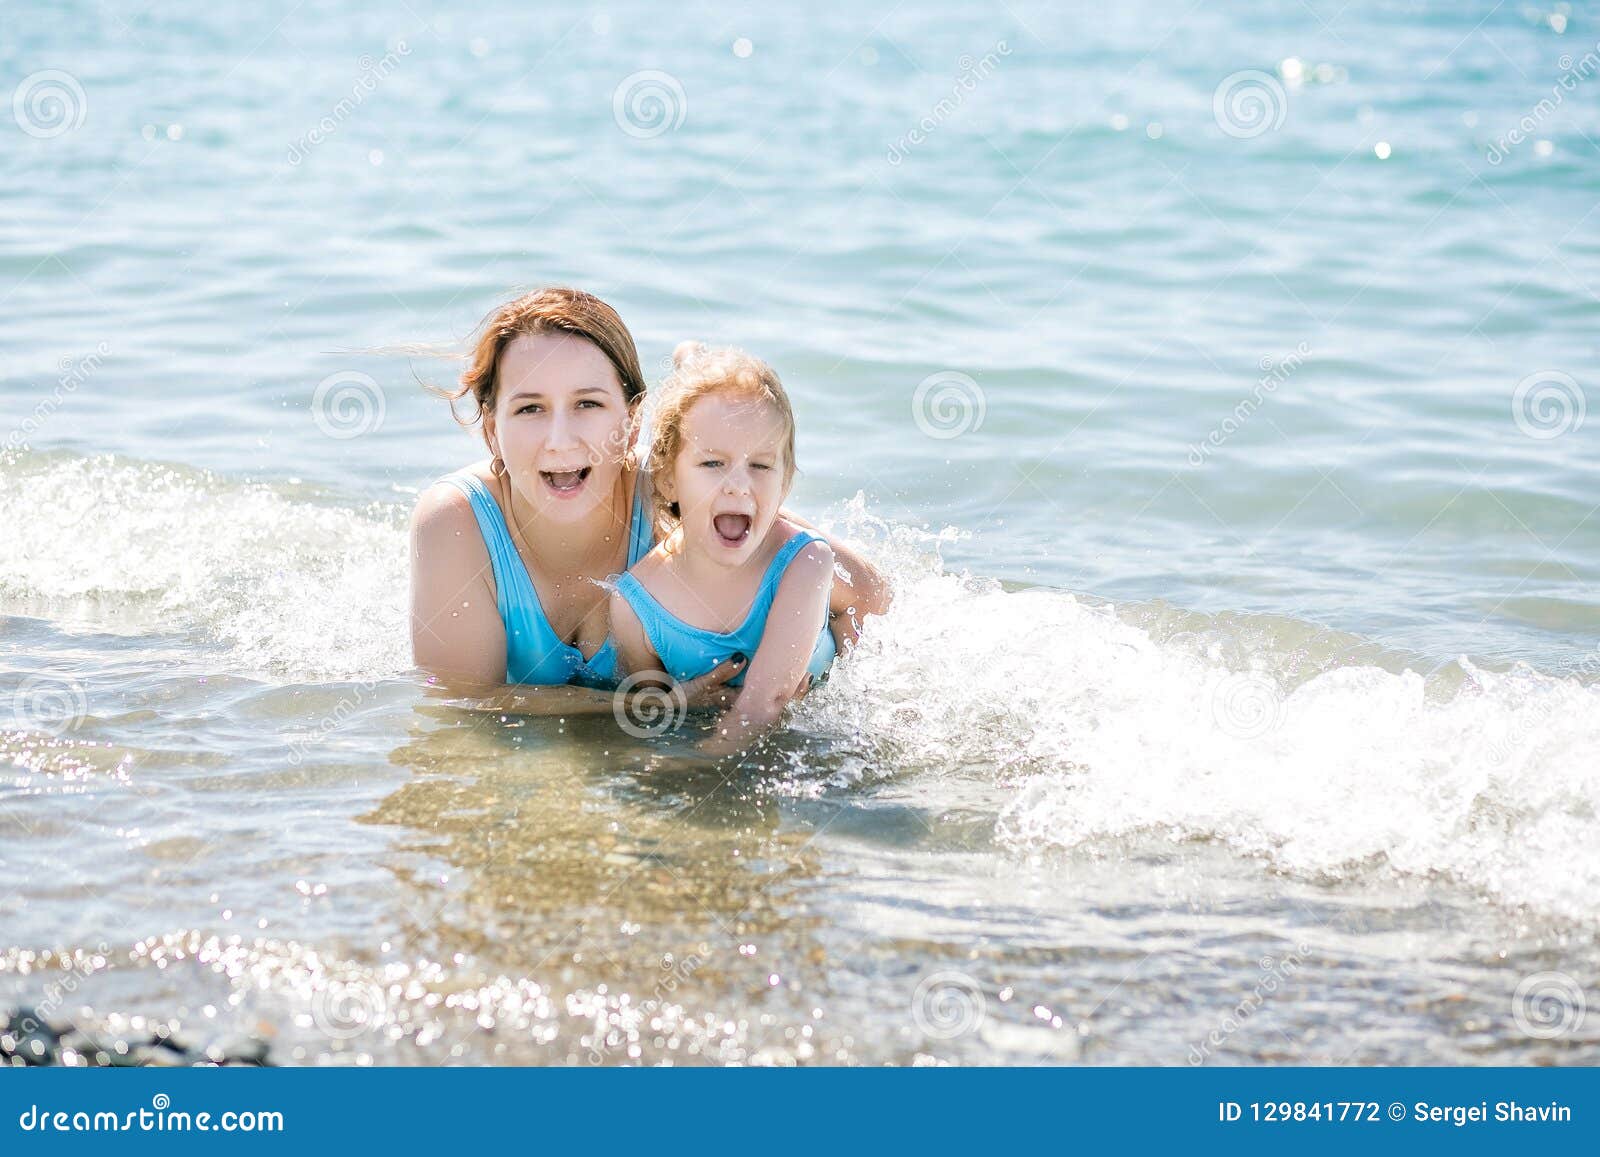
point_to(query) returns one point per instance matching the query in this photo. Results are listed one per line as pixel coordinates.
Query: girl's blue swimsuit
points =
(687, 652)
(534, 653)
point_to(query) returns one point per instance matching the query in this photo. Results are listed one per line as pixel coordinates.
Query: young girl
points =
(731, 576)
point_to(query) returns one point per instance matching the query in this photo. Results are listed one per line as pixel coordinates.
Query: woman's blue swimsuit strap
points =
(534, 653)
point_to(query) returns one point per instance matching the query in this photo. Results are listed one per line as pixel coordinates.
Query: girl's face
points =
(729, 479)
(561, 424)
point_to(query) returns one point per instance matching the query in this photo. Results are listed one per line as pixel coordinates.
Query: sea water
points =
(1212, 383)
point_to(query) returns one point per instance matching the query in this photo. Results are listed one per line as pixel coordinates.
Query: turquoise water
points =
(1214, 384)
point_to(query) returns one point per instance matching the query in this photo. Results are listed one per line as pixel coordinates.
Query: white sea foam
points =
(1076, 723)
(1315, 765)
(290, 587)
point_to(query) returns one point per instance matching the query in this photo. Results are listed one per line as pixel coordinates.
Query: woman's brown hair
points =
(557, 309)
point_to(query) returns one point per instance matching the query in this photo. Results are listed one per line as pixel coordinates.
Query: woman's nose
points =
(562, 433)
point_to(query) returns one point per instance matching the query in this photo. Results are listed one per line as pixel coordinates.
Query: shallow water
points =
(1215, 722)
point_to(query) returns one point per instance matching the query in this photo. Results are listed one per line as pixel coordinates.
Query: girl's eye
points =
(588, 402)
(712, 462)
(530, 408)
(759, 466)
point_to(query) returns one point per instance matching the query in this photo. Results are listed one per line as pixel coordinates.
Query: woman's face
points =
(560, 423)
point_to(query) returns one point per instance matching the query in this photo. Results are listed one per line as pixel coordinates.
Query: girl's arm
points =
(799, 609)
(859, 588)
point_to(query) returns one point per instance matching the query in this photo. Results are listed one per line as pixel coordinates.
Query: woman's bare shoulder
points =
(445, 526)
(443, 505)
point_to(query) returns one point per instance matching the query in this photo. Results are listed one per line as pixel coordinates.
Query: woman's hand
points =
(711, 689)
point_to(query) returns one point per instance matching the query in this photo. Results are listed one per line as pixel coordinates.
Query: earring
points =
(497, 466)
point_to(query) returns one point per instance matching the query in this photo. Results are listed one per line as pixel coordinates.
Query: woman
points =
(509, 557)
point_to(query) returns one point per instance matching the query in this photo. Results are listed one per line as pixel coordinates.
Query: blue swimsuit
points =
(687, 652)
(534, 653)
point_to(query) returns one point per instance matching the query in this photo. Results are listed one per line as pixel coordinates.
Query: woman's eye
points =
(712, 462)
(530, 408)
(590, 402)
(759, 466)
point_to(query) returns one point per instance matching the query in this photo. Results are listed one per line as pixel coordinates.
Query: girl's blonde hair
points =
(700, 372)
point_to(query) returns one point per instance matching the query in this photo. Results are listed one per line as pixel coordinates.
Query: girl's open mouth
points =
(732, 529)
(565, 482)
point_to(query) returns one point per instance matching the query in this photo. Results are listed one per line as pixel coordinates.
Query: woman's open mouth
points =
(565, 483)
(732, 529)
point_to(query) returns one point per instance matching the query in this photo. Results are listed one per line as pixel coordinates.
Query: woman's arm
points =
(859, 588)
(635, 655)
(778, 669)
(456, 632)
